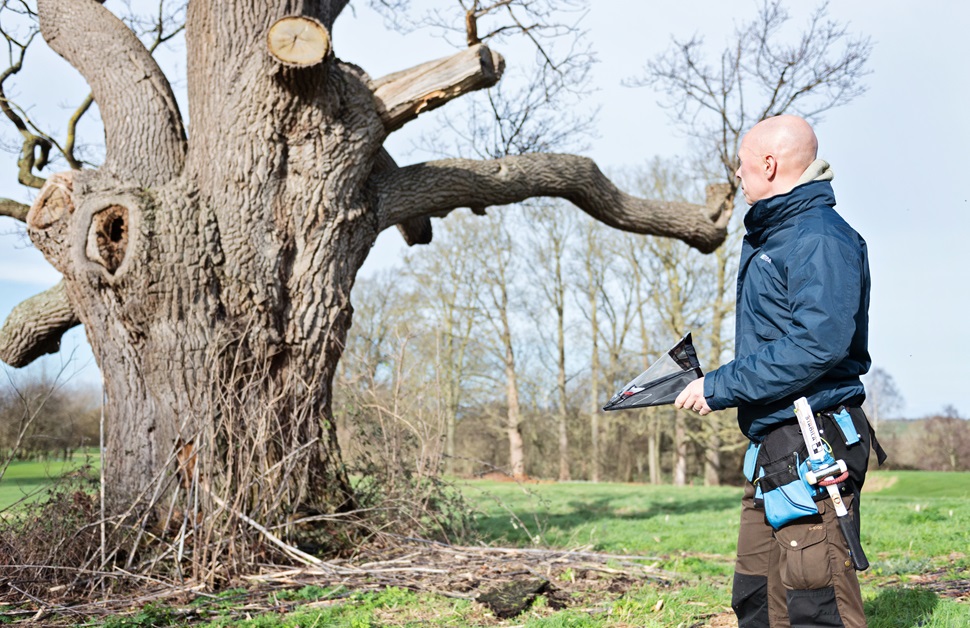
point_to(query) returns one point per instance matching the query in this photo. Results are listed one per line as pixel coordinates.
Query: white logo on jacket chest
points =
(765, 257)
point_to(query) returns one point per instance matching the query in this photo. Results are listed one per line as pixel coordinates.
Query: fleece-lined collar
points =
(818, 170)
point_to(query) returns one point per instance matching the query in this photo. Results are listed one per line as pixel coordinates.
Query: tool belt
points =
(777, 465)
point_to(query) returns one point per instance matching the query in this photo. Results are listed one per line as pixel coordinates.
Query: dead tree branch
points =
(401, 96)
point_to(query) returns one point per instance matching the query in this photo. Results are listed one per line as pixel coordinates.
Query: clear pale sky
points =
(900, 155)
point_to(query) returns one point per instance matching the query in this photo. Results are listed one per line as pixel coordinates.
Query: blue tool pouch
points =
(786, 494)
(782, 460)
(778, 464)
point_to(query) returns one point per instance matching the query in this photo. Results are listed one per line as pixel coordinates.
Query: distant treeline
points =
(935, 443)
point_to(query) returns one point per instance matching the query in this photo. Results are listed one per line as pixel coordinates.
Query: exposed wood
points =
(53, 203)
(298, 41)
(401, 96)
(471, 28)
(144, 139)
(436, 187)
(35, 326)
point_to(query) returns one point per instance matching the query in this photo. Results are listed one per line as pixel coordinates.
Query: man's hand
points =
(692, 398)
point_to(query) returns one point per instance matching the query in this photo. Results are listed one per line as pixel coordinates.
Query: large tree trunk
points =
(217, 301)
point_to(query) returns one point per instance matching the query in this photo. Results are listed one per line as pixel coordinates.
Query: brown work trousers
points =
(798, 576)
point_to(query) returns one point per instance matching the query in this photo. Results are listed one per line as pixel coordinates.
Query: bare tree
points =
(883, 397)
(691, 292)
(678, 292)
(592, 278)
(213, 271)
(550, 238)
(496, 256)
(759, 74)
(45, 413)
(944, 442)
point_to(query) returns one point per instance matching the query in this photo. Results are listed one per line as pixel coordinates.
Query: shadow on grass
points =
(603, 507)
(901, 607)
(585, 513)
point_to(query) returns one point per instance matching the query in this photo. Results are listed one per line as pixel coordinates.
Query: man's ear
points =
(770, 167)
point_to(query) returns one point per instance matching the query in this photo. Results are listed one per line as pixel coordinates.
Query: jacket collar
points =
(769, 213)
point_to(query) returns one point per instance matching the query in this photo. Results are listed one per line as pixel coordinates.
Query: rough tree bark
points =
(213, 272)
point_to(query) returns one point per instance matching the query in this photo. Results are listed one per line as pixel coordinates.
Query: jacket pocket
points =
(804, 555)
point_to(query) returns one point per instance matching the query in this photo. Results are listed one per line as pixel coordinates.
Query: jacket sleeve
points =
(825, 284)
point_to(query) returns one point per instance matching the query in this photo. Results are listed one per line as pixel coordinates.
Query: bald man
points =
(801, 331)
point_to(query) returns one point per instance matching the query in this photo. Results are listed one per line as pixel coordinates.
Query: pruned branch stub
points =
(298, 41)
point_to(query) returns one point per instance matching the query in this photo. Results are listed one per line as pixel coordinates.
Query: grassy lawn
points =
(26, 481)
(916, 530)
(675, 525)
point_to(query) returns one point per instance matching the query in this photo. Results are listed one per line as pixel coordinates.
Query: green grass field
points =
(916, 530)
(26, 481)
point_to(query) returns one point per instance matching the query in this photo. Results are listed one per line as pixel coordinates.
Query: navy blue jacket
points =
(802, 312)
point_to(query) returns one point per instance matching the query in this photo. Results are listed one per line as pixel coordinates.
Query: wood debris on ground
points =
(505, 580)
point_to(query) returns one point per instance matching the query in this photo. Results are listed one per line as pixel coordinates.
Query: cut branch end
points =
(720, 203)
(298, 41)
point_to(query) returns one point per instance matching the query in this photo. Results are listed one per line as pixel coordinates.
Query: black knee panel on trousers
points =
(813, 607)
(749, 599)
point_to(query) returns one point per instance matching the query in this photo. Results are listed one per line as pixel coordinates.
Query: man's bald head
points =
(774, 154)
